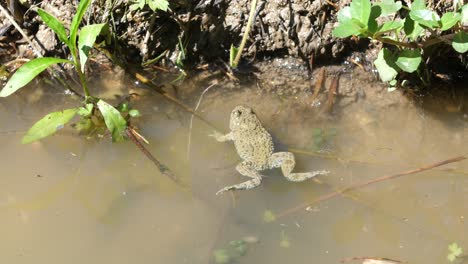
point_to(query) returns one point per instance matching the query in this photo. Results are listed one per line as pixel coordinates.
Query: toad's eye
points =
(238, 112)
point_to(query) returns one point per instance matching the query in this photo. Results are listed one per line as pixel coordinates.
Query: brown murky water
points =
(68, 200)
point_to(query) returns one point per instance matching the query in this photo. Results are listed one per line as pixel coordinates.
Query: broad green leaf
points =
(80, 11)
(449, 19)
(418, 5)
(54, 24)
(459, 43)
(383, 64)
(389, 7)
(158, 4)
(425, 17)
(114, 120)
(409, 60)
(346, 29)
(360, 10)
(391, 25)
(27, 72)
(88, 35)
(464, 15)
(412, 29)
(48, 125)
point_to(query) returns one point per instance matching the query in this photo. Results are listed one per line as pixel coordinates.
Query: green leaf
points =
(390, 26)
(48, 125)
(346, 29)
(389, 7)
(85, 110)
(134, 113)
(232, 55)
(425, 17)
(385, 64)
(76, 21)
(88, 35)
(459, 43)
(464, 15)
(418, 5)
(372, 25)
(454, 251)
(409, 60)
(360, 10)
(114, 120)
(27, 72)
(412, 29)
(449, 20)
(221, 256)
(54, 24)
(344, 15)
(158, 4)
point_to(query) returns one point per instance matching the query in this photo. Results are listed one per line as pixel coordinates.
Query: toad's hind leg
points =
(246, 170)
(286, 161)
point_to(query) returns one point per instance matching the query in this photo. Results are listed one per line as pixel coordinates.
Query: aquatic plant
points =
(455, 251)
(80, 42)
(412, 35)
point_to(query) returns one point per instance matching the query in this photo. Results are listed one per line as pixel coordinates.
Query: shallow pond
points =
(71, 200)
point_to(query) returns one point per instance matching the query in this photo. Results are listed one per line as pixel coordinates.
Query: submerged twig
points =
(360, 185)
(322, 76)
(191, 119)
(131, 133)
(332, 93)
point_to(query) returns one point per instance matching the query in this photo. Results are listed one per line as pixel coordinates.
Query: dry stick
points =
(12, 20)
(382, 260)
(360, 185)
(191, 119)
(319, 84)
(162, 168)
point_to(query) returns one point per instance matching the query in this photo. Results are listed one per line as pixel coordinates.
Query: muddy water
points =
(70, 200)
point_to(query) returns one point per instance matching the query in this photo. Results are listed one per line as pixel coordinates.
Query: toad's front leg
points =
(286, 161)
(221, 138)
(246, 170)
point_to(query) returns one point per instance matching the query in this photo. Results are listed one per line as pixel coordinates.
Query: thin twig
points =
(191, 119)
(332, 92)
(161, 167)
(20, 30)
(360, 185)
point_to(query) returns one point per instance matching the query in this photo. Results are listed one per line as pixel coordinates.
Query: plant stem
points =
(253, 6)
(78, 70)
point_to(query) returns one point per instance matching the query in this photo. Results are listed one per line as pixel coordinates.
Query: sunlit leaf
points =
(409, 60)
(449, 20)
(464, 15)
(459, 43)
(385, 65)
(54, 24)
(425, 17)
(114, 120)
(360, 10)
(134, 113)
(418, 5)
(344, 15)
(27, 72)
(48, 125)
(88, 35)
(76, 21)
(158, 4)
(389, 7)
(85, 110)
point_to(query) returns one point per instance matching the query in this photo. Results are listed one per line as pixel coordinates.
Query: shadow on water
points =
(66, 195)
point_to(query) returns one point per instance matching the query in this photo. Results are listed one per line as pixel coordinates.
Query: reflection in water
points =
(64, 195)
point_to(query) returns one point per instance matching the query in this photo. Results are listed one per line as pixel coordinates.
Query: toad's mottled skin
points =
(255, 146)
